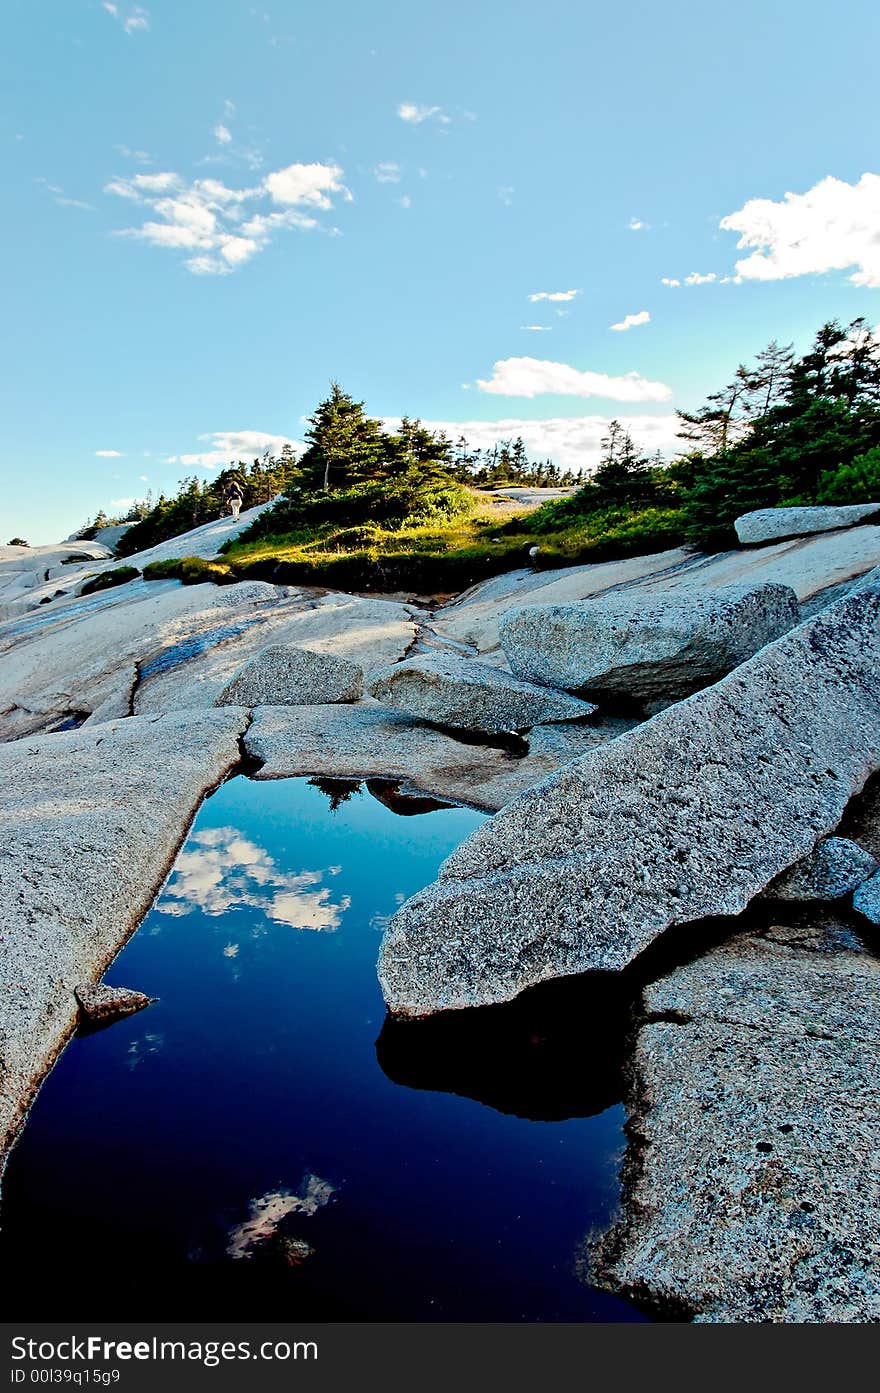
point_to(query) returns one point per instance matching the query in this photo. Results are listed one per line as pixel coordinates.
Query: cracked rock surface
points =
(90, 822)
(752, 1179)
(690, 815)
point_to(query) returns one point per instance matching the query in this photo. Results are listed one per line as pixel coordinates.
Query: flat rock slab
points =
(752, 1186)
(655, 647)
(688, 816)
(367, 632)
(101, 1004)
(79, 658)
(369, 742)
(836, 868)
(283, 675)
(90, 822)
(458, 692)
(774, 524)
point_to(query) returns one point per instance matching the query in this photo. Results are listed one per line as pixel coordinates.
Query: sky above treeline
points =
(504, 218)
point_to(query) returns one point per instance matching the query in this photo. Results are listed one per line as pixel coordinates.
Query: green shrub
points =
(190, 570)
(858, 482)
(120, 576)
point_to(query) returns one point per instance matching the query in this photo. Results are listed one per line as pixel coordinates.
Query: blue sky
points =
(213, 208)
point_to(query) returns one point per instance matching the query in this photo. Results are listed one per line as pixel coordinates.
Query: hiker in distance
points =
(234, 500)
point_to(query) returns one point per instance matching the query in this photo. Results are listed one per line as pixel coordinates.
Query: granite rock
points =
(836, 868)
(751, 1188)
(775, 524)
(690, 815)
(866, 900)
(101, 1004)
(458, 692)
(90, 822)
(650, 647)
(367, 741)
(283, 675)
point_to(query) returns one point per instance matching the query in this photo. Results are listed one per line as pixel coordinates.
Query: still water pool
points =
(261, 1144)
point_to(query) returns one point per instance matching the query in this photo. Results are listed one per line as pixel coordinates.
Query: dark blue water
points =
(261, 1144)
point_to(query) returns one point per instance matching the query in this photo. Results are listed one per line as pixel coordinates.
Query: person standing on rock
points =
(234, 500)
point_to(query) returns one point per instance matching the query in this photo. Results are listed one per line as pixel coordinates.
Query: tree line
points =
(785, 431)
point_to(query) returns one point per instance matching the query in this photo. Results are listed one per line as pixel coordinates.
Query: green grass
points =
(120, 576)
(434, 558)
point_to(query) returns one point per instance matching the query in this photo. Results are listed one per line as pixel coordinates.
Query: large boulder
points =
(750, 1187)
(463, 694)
(688, 816)
(651, 647)
(282, 675)
(776, 524)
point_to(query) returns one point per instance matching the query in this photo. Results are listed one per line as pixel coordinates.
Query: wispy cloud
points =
(63, 200)
(133, 18)
(109, 454)
(388, 172)
(140, 156)
(695, 278)
(555, 295)
(229, 445)
(533, 377)
(222, 134)
(220, 228)
(632, 321)
(536, 328)
(415, 115)
(505, 193)
(831, 227)
(637, 225)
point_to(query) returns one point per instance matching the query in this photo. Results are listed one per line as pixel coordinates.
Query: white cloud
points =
(220, 227)
(388, 172)
(118, 504)
(695, 278)
(537, 328)
(669, 280)
(533, 377)
(831, 227)
(133, 18)
(231, 445)
(505, 193)
(636, 225)
(109, 454)
(553, 295)
(222, 134)
(574, 442)
(414, 114)
(310, 184)
(631, 321)
(405, 201)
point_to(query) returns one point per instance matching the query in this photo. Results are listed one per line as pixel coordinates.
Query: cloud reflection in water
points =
(221, 870)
